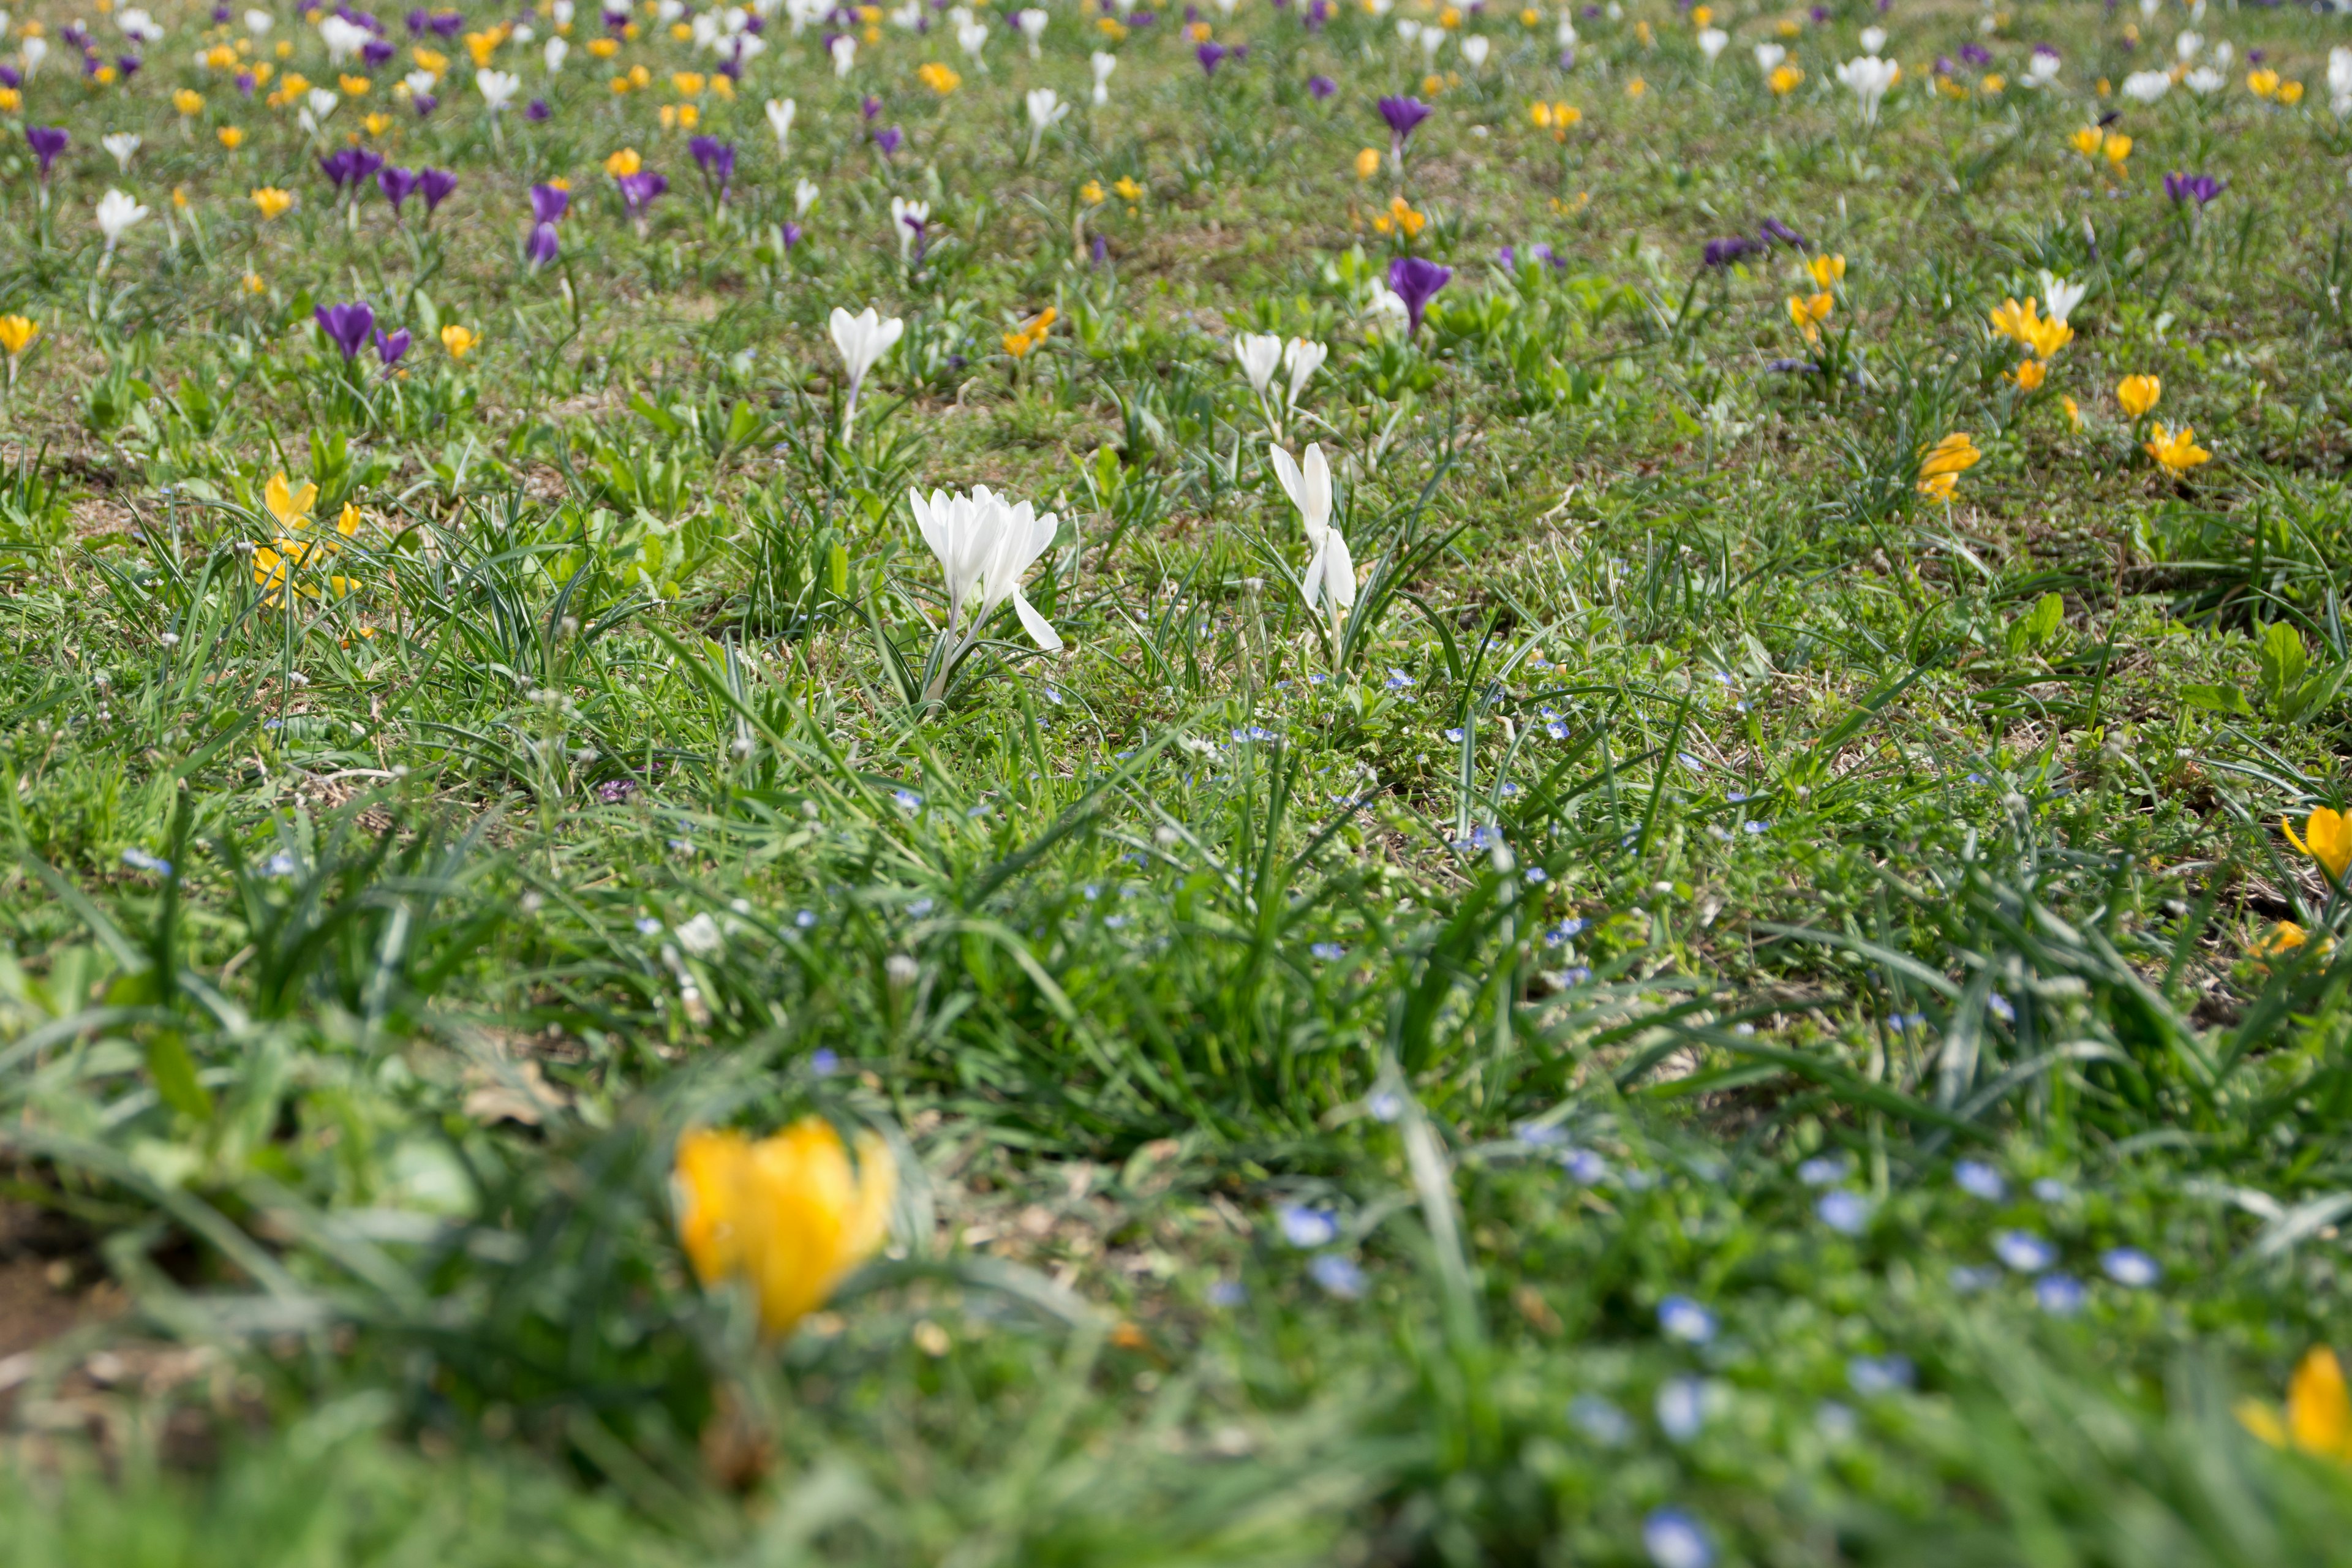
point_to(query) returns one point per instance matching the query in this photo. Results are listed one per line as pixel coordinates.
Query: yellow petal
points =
(2319, 1409)
(2262, 1421)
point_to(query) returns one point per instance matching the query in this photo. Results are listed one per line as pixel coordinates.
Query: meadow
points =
(1296, 782)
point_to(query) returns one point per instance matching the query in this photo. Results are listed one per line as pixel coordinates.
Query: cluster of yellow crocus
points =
(1556, 118)
(1947, 460)
(2092, 141)
(2266, 84)
(1809, 312)
(1032, 333)
(274, 563)
(1401, 219)
(2040, 337)
(460, 341)
(2174, 451)
(791, 1215)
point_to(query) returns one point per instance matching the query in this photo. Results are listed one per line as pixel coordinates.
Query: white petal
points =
(1035, 625)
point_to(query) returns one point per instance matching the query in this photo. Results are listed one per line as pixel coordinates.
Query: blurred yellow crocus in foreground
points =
(789, 1214)
(2326, 838)
(2318, 1416)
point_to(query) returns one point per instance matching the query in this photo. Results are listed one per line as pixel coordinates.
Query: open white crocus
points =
(780, 112)
(123, 145)
(498, 88)
(1329, 581)
(985, 545)
(1712, 41)
(1045, 111)
(1872, 39)
(258, 21)
(2061, 295)
(117, 211)
(1869, 77)
(863, 340)
(2147, 86)
(2043, 69)
(805, 194)
(1103, 64)
(1769, 57)
(1474, 50)
(974, 37)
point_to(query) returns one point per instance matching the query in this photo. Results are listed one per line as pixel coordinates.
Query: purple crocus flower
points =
(1975, 55)
(1721, 253)
(716, 159)
(425, 104)
(1507, 258)
(1211, 55)
(245, 84)
(638, 190)
(2180, 187)
(1318, 12)
(434, 185)
(389, 348)
(397, 186)
(1320, 87)
(46, 141)
(888, 139)
(542, 247)
(549, 203)
(1404, 115)
(77, 35)
(376, 52)
(416, 23)
(789, 232)
(220, 15)
(9, 77)
(348, 325)
(126, 66)
(871, 107)
(1777, 233)
(448, 23)
(1416, 281)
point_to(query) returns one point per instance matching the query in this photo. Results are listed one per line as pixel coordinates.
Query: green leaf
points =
(2217, 700)
(175, 1072)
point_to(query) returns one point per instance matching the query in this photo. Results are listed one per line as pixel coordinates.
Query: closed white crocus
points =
(1031, 23)
(805, 194)
(557, 49)
(33, 51)
(498, 88)
(863, 340)
(1260, 354)
(973, 37)
(2061, 295)
(2340, 80)
(1302, 357)
(123, 145)
(844, 54)
(1329, 581)
(780, 112)
(1564, 35)
(2187, 45)
(258, 21)
(1046, 110)
(985, 546)
(1872, 39)
(1474, 51)
(2147, 86)
(1432, 40)
(908, 221)
(117, 211)
(1103, 64)
(1869, 77)
(1769, 57)
(1712, 41)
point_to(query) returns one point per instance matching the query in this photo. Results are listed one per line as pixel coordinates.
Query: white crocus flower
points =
(1031, 23)
(1872, 39)
(973, 37)
(984, 546)
(343, 39)
(418, 82)
(1103, 64)
(523, 32)
(1329, 581)
(2147, 86)
(258, 21)
(2340, 80)
(1565, 34)
(844, 54)
(1433, 39)
(1769, 57)
(2061, 295)
(554, 54)
(498, 88)
(1408, 29)
(137, 24)
(906, 221)
(780, 112)
(863, 340)
(123, 145)
(1046, 110)
(1303, 357)
(1259, 354)
(2223, 53)
(805, 194)
(2043, 69)
(1869, 76)
(564, 11)
(2187, 45)
(2204, 82)
(117, 211)
(34, 51)
(1474, 51)
(1713, 41)
(1388, 310)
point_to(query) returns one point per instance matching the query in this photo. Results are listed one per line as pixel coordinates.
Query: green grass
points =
(1696, 846)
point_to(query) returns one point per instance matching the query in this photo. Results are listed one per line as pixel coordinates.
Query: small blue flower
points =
(919, 908)
(1536, 877)
(1846, 1212)
(1398, 680)
(1575, 975)
(2059, 1295)
(1455, 736)
(1872, 1375)
(1680, 1318)
(1980, 1180)
(2000, 1007)
(647, 925)
(805, 918)
(279, 865)
(1305, 1227)
(1836, 1422)
(1557, 729)
(824, 1061)
(140, 860)
(1328, 952)
(1600, 1421)
(1385, 1106)
(1539, 1134)
(2025, 1251)
(908, 800)
(1821, 1170)
(1754, 828)
(1674, 1540)
(1338, 1275)
(2129, 1266)
(2051, 1190)
(1584, 1165)
(1682, 1407)
(1316, 679)
(1564, 932)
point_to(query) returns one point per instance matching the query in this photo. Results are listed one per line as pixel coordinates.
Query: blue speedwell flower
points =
(1304, 1226)
(2025, 1251)
(1680, 1318)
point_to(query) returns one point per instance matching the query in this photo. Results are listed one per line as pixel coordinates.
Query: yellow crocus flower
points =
(603, 48)
(1784, 79)
(1129, 191)
(939, 79)
(1368, 163)
(1807, 313)
(377, 123)
(434, 60)
(459, 341)
(689, 84)
(1826, 270)
(482, 45)
(2318, 1417)
(623, 162)
(231, 137)
(2326, 838)
(2137, 393)
(2087, 141)
(188, 101)
(2119, 148)
(2073, 412)
(16, 334)
(272, 201)
(2176, 450)
(1947, 460)
(1092, 193)
(290, 506)
(2262, 82)
(789, 1215)
(353, 85)
(2289, 93)
(2030, 374)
